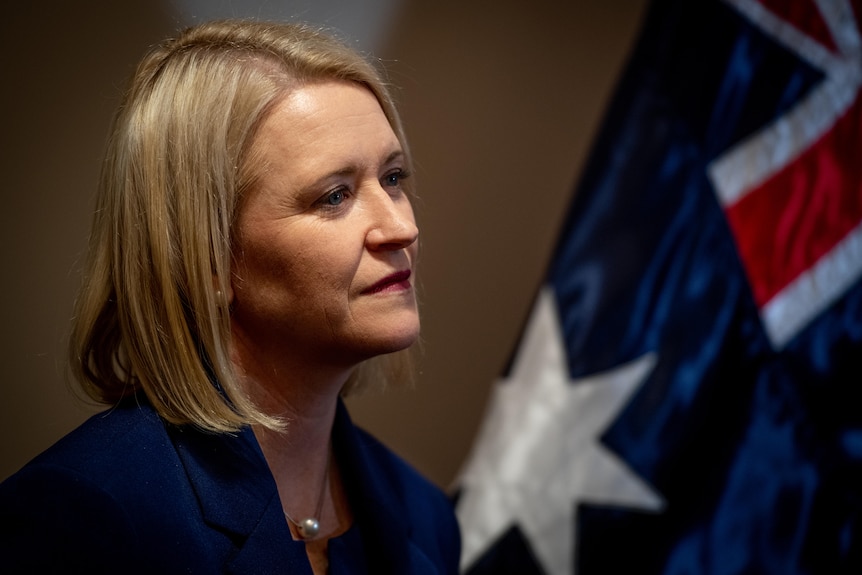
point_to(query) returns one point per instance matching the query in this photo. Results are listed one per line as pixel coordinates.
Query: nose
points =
(393, 224)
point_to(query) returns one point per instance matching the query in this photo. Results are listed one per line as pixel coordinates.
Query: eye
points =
(334, 198)
(394, 179)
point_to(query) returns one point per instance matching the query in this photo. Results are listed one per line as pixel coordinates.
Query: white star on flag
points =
(538, 453)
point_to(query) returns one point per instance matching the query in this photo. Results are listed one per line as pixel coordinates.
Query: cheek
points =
(313, 271)
(262, 265)
(303, 260)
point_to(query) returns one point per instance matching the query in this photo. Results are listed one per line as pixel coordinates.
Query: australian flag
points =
(686, 397)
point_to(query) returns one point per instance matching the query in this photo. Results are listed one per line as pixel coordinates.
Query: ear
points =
(223, 299)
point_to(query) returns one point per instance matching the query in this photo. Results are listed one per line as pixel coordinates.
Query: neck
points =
(305, 398)
(299, 457)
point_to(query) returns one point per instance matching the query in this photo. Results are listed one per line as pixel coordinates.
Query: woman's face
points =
(325, 245)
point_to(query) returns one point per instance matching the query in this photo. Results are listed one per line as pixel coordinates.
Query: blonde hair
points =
(151, 315)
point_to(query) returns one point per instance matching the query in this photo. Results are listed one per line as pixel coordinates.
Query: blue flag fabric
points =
(750, 424)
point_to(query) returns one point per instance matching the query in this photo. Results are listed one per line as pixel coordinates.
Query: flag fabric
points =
(685, 398)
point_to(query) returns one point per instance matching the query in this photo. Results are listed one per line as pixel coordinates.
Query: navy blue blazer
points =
(128, 493)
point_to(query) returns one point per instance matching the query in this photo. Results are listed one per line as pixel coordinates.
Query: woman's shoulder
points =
(397, 471)
(124, 434)
(397, 478)
(391, 473)
(72, 506)
(116, 458)
(112, 495)
(399, 494)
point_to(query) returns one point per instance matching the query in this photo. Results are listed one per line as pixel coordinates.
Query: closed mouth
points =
(397, 281)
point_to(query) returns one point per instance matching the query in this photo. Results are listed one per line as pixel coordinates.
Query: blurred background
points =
(501, 102)
(717, 240)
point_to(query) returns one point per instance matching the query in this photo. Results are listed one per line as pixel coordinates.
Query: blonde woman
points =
(252, 259)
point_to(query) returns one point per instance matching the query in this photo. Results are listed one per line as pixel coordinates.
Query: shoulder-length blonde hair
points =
(151, 315)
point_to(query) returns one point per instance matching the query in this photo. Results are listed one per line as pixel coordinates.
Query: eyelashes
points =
(394, 179)
(335, 198)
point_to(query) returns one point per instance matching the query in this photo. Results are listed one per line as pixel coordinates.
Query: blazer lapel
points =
(238, 496)
(269, 548)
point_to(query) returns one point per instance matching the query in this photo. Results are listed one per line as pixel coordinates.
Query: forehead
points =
(318, 119)
(318, 131)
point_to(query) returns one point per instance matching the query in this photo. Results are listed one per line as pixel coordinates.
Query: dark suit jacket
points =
(127, 493)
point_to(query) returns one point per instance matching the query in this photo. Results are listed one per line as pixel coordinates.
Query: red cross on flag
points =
(792, 191)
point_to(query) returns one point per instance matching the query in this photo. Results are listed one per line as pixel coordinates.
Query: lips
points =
(394, 282)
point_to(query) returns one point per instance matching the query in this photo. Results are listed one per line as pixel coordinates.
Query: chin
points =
(398, 338)
(401, 341)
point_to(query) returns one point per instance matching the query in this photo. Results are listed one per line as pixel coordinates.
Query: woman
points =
(252, 259)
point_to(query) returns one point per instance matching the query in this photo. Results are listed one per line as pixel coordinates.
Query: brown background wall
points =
(501, 101)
